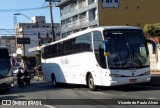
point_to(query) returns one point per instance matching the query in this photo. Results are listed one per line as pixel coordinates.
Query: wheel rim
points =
(53, 81)
(91, 82)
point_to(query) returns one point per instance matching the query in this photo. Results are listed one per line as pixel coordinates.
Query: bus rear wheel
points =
(53, 79)
(91, 83)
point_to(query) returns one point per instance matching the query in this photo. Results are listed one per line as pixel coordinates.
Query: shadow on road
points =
(37, 86)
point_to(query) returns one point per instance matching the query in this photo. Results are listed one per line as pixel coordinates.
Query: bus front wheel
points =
(91, 83)
(53, 80)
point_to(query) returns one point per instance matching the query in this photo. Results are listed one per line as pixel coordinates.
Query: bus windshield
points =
(127, 49)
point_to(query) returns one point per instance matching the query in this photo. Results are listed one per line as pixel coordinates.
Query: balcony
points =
(78, 25)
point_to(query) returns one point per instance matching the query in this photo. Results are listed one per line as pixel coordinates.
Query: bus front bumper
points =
(115, 81)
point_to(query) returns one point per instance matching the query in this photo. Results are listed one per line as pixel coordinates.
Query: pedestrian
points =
(39, 72)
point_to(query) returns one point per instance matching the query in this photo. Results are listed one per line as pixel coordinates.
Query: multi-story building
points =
(39, 33)
(77, 15)
(9, 42)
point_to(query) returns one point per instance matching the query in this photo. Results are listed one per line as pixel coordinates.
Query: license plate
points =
(133, 80)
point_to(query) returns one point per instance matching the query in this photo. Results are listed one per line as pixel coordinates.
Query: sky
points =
(29, 8)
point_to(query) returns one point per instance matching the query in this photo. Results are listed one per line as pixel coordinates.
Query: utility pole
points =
(52, 23)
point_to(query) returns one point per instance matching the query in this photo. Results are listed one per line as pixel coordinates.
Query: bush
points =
(152, 30)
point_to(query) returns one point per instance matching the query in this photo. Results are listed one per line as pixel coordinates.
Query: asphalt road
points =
(73, 94)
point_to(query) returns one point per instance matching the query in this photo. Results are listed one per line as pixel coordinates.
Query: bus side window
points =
(82, 43)
(86, 42)
(53, 51)
(60, 49)
(99, 48)
(68, 46)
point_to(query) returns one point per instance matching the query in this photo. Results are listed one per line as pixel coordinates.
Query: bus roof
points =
(101, 28)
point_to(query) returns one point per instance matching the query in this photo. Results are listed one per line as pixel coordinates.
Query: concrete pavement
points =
(155, 79)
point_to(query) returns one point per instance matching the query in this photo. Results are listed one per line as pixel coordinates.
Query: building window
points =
(82, 15)
(109, 1)
(116, 1)
(63, 22)
(75, 18)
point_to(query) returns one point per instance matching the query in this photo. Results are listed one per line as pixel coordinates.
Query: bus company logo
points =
(64, 61)
(6, 102)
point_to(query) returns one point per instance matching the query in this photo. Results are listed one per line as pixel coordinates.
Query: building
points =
(9, 42)
(39, 33)
(77, 15)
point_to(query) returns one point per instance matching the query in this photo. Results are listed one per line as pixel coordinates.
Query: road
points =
(44, 90)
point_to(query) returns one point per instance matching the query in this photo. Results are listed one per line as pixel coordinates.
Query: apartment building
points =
(39, 33)
(9, 42)
(77, 15)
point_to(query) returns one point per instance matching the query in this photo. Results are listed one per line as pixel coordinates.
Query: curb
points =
(155, 80)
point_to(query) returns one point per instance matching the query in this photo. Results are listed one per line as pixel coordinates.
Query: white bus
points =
(101, 56)
(6, 76)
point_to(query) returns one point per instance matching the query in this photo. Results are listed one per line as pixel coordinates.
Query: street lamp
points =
(24, 16)
(7, 31)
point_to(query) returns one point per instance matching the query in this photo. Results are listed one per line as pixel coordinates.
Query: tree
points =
(152, 30)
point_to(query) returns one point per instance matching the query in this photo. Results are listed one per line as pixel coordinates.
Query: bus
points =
(6, 76)
(100, 56)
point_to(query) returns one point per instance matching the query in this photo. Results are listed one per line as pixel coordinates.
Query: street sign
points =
(23, 40)
(53, 0)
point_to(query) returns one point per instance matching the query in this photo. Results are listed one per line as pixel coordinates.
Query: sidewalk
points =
(155, 73)
(36, 77)
(155, 79)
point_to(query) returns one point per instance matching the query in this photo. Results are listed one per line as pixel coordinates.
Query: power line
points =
(24, 9)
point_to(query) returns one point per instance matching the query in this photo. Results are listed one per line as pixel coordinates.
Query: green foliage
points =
(32, 60)
(152, 30)
(38, 58)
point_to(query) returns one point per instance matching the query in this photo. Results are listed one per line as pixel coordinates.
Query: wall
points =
(154, 64)
(131, 12)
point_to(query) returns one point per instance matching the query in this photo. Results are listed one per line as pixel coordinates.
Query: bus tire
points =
(53, 80)
(91, 83)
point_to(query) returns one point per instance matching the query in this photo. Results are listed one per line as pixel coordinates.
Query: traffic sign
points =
(23, 40)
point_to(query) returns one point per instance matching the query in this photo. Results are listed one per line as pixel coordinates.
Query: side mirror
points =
(106, 48)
